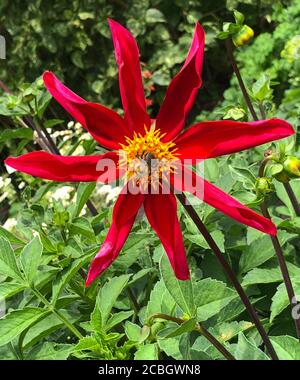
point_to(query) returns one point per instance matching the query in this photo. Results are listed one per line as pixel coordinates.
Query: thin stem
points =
(292, 196)
(229, 272)
(69, 325)
(262, 110)
(239, 78)
(283, 268)
(199, 328)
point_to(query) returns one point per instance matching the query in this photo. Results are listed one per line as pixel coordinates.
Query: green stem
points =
(237, 72)
(69, 325)
(199, 328)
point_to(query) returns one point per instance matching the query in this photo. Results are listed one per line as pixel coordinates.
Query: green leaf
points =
(87, 343)
(50, 351)
(84, 191)
(45, 327)
(65, 276)
(211, 296)
(154, 15)
(13, 323)
(8, 263)
(21, 133)
(244, 175)
(186, 326)
(261, 89)
(53, 122)
(160, 300)
(147, 352)
(268, 275)
(280, 299)
(30, 258)
(239, 17)
(8, 289)
(181, 291)
(81, 226)
(260, 251)
(10, 237)
(106, 299)
(132, 331)
(117, 318)
(246, 350)
(286, 347)
(228, 330)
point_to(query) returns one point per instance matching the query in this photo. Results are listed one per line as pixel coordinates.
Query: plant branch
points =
(68, 324)
(229, 272)
(199, 328)
(234, 65)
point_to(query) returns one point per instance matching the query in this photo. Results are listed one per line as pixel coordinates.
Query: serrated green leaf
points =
(286, 347)
(280, 299)
(8, 263)
(117, 318)
(30, 258)
(106, 299)
(181, 291)
(13, 323)
(147, 352)
(8, 289)
(84, 191)
(246, 350)
(210, 297)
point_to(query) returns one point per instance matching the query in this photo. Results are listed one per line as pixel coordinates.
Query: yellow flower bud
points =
(243, 36)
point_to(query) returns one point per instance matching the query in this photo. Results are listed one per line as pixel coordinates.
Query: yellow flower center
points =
(147, 159)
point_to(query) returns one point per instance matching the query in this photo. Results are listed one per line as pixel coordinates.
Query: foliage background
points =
(72, 39)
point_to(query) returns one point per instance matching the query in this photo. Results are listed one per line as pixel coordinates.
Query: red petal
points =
(215, 138)
(221, 201)
(183, 89)
(66, 168)
(161, 213)
(124, 214)
(130, 78)
(105, 125)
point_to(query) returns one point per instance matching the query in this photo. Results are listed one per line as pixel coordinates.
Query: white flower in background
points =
(9, 224)
(113, 194)
(4, 182)
(21, 185)
(62, 194)
(70, 124)
(103, 190)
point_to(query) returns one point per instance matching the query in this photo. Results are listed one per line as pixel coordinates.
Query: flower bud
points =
(243, 36)
(291, 166)
(263, 185)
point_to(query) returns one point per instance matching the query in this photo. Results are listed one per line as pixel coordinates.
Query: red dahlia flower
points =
(136, 136)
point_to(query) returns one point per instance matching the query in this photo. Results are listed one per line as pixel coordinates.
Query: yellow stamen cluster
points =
(147, 159)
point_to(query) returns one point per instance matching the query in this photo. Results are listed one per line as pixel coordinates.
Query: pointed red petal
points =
(124, 214)
(130, 78)
(215, 138)
(105, 125)
(183, 89)
(221, 201)
(161, 212)
(66, 168)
